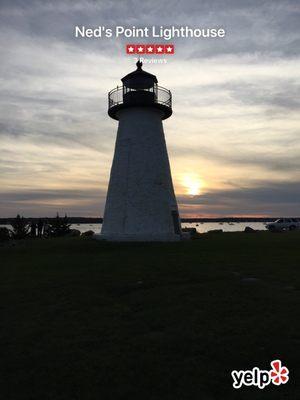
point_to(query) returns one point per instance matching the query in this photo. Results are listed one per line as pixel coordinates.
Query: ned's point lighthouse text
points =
(141, 203)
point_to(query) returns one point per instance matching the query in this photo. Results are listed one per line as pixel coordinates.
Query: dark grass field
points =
(88, 320)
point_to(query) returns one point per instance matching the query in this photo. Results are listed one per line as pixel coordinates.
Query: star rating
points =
(130, 49)
(150, 49)
(140, 49)
(169, 49)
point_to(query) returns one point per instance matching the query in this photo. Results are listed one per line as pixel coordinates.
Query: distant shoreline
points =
(99, 220)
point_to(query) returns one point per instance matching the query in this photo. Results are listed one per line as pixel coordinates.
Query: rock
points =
(88, 233)
(215, 231)
(74, 233)
(192, 231)
(249, 229)
(188, 233)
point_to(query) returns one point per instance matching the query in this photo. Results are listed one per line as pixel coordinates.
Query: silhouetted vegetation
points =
(4, 234)
(20, 228)
(26, 227)
(59, 226)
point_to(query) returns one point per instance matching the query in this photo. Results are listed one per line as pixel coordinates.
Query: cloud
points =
(276, 95)
(241, 156)
(264, 198)
(74, 202)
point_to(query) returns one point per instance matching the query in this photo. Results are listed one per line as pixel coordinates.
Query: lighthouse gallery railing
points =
(161, 95)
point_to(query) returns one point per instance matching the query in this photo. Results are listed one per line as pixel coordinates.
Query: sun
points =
(193, 184)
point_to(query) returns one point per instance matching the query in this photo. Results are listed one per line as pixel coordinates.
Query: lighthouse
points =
(140, 203)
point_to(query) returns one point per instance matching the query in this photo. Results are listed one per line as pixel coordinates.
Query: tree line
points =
(22, 228)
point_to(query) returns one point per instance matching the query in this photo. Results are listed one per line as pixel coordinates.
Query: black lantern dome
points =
(139, 79)
(139, 89)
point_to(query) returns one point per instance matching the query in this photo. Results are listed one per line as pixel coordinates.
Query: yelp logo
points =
(257, 377)
(278, 373)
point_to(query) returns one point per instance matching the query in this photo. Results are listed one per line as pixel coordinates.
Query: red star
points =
(169, 49)
(159, 49)
(150, 49)
(130, 49)
(140, 48)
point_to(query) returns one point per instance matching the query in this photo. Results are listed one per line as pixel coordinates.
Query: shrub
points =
(60, 226)
(20, 228)
(4, 234)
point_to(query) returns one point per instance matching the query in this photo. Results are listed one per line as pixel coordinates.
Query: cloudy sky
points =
(233, 140)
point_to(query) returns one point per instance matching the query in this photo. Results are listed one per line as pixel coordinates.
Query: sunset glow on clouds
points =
(233, 138)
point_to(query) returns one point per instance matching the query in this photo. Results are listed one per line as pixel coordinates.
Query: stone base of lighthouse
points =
(140, 204)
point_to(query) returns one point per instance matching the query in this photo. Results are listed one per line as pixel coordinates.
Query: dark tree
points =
(20, 228)
(60, 226)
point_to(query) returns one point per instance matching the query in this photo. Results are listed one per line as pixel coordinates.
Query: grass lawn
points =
(86, 320)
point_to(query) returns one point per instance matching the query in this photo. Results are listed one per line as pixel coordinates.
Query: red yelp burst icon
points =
(279, 374)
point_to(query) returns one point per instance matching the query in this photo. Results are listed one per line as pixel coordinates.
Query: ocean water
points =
(201, 227)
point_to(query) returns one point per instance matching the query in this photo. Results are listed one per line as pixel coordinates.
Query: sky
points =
(233, 139)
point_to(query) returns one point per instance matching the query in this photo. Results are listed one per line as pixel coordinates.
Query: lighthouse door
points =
(175, 217)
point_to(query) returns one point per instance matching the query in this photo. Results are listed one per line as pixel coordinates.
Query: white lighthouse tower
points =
(140, 203)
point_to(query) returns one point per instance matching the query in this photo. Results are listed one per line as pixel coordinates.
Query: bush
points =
(74, 233)
(20, 228)
(4, 234)
(60, 226)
